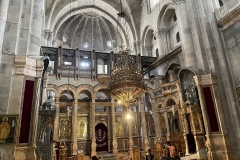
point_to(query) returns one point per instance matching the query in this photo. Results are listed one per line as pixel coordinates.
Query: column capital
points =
(161, 32)
(177, 2)
(46, 32)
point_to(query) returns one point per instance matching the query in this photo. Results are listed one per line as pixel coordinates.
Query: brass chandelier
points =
(126, 83)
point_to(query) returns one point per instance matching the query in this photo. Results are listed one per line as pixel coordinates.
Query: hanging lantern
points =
(126, 83)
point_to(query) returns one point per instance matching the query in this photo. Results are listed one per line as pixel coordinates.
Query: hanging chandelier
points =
(126, 83)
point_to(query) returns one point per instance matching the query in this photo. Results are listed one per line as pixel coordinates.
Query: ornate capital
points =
(49, 36)
(177, 2)
(161, 32)
(46, 32)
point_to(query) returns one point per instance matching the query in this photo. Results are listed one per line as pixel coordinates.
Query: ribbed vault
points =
(89, 30)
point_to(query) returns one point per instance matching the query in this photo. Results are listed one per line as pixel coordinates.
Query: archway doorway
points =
(101, 133)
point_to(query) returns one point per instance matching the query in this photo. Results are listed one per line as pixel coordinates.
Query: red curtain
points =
(26, 112)
(210, 109)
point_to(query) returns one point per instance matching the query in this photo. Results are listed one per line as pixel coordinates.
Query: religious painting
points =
(82, 128)
(163, 124)
(65, 127)
(118, 125)
(8, 127)
(101, 134)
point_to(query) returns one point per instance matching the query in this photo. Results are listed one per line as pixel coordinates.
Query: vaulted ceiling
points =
(59, 12)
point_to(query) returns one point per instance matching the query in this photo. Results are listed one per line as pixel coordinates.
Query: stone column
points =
(163, 35)
(168, 129)
(46, 32)
(138, 119)
(185, 34)
(143, 51)
(56, 121)
(156, 119)
(94, 145)
(157, 34)
(172, 75)
(130, 140)
(115, 151)
(49, 39)
(138, 47)
(3, 18)
(144, 128)
(35, 28)
(168, 41)
(74, 126)
(148, 49)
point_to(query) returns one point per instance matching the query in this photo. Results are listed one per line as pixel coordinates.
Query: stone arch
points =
(99, 87)
(87, 88)
(56, 25)
(65, 87)
(99, 121)
(176, 100)
(52, 88)
(108, 5)
(168, 15)
(161, 14)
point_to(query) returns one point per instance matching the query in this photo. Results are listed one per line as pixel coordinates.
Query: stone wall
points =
(232, 40)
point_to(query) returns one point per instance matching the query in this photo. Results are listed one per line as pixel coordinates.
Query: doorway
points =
(191, 143)
(101, 133)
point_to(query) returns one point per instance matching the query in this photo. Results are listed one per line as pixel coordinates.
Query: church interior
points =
(120, 79)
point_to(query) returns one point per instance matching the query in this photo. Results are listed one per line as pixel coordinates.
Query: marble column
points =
(3, 18)
(94, 145)
(56, 121)
(144, 125)
(74, 126)
(130, 140)
(185, 34)
(115, 150)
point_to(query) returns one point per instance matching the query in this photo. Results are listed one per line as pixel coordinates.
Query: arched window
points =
(220, 3)
(157, 53)
(177, 37)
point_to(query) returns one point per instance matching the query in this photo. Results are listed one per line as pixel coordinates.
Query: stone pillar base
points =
(24, 153)
(202, 153)
(7, 151)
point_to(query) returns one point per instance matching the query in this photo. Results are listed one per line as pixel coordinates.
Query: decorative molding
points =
(27, 66)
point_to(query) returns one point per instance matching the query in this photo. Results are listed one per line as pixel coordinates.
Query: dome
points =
(88, 31)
